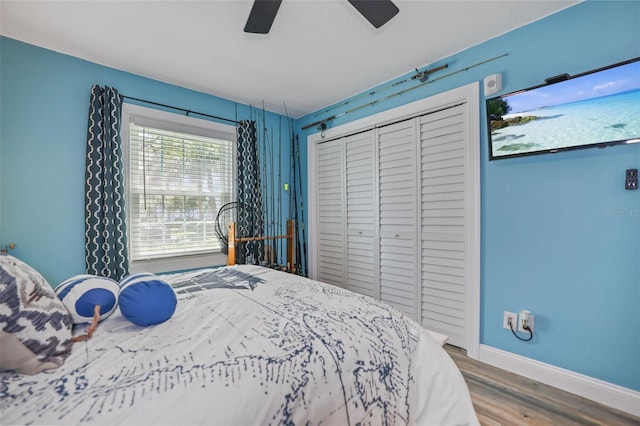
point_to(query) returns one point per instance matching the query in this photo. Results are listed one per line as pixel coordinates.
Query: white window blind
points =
(178, 180)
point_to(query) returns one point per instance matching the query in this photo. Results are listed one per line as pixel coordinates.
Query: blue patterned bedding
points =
(250, 346)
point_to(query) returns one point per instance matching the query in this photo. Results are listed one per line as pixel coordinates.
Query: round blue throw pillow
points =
(81, 293)
(145, 299)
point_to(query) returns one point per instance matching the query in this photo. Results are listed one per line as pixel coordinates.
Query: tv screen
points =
(594, 109)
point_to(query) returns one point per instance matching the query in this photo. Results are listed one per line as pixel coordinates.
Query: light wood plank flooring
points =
(504, 398)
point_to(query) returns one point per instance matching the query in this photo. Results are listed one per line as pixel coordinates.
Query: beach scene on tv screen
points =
(595, 108)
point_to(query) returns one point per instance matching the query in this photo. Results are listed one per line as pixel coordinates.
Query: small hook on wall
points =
(5, 249)
(322, 127)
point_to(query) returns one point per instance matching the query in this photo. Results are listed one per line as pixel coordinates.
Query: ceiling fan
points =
(263, 12)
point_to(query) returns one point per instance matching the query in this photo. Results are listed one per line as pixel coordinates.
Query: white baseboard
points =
(615, 396)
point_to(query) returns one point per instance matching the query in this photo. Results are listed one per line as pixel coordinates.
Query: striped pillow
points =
(82, 293)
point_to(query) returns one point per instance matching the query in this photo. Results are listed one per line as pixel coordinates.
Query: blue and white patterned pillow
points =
(35, 327)
(80, 294)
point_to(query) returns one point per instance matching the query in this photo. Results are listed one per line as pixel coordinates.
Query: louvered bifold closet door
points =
(360, 185)
(397, 209)
(443, 159)
(331, 210)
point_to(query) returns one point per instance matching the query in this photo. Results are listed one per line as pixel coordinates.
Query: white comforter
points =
(250, 346)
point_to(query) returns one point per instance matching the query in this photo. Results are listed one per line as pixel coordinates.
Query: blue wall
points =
(560, 234)
(44, 104)
(550, 242)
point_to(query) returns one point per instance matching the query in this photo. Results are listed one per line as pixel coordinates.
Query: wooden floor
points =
(504, 398)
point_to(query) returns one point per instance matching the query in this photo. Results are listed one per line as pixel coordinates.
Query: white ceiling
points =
(317, 53)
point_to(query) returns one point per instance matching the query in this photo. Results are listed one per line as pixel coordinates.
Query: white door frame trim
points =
(470, 95)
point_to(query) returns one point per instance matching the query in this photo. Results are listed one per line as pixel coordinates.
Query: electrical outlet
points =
(525, 315)
(509, 316)
(631, 181)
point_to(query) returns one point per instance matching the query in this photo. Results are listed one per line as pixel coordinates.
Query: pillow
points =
(82, 293)
(35, 327)
(145, 299)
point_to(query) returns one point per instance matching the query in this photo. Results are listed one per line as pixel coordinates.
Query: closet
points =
(396, 213)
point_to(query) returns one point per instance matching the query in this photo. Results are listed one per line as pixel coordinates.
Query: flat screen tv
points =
(597, 108)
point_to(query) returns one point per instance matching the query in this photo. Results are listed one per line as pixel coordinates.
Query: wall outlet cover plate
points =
(521, 328)
(505, 320)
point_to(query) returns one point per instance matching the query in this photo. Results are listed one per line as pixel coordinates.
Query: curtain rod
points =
(322, 124)
(186, 111)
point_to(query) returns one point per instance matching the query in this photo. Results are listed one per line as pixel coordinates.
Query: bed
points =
(248, 345)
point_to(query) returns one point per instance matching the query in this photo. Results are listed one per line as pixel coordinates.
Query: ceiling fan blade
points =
(261, 17)
(378, 12)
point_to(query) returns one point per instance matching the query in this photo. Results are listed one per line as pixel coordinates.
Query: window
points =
(180, 171)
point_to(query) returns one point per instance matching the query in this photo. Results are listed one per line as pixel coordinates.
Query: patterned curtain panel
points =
(250, 221)
(105, 224)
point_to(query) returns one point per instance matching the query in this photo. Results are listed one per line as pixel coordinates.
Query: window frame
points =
(185, 124)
